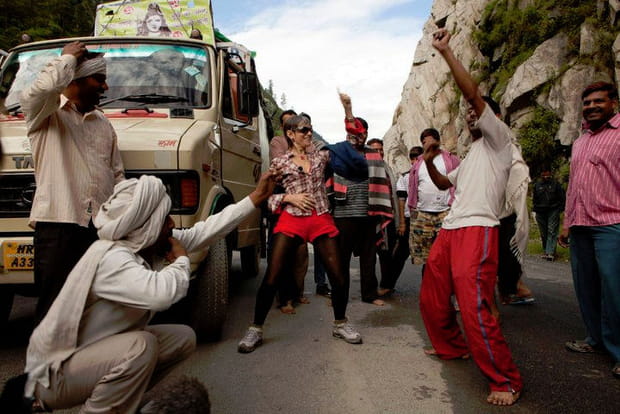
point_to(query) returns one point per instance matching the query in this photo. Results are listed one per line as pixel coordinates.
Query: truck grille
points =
(16, 194)
(17, 191)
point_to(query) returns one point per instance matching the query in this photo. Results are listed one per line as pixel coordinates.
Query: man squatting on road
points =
(463, 259)
(94, 347)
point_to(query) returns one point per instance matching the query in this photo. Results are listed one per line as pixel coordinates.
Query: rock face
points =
(552, 77)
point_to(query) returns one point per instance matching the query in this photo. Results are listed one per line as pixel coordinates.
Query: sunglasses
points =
(303, 130)
(352, 137)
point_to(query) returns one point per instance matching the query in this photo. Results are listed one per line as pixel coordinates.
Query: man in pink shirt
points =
(593, 221)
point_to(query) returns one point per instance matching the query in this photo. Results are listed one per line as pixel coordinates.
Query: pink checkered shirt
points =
(296, 181)
(593, 196)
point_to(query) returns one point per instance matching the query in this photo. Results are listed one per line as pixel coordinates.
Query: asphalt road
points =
(302, 369)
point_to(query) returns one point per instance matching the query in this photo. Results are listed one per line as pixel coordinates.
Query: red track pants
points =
(464, 262)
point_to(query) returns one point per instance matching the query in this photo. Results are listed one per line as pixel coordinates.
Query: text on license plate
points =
(18, 256)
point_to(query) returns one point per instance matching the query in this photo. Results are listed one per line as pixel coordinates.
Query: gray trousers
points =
(111, 375)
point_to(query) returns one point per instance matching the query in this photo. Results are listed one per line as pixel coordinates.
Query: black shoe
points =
(323, 290)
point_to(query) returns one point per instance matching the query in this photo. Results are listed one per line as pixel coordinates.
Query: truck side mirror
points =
(248, 94)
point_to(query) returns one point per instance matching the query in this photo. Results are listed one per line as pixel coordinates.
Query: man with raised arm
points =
(463, 259)
(76, 163)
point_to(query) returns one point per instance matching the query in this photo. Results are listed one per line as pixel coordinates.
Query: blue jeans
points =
(595, 261)
(548, 224)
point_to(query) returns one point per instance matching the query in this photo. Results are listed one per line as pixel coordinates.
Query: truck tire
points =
(250, 261)
(6, 304)
(209, 294)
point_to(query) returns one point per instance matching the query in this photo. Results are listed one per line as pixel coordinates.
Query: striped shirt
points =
(296, 181)
(76, 156)
(593, 195)
(356, 201)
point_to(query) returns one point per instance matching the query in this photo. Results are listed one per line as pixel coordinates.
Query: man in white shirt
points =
(431, 203)
(94, 348)
(76, 162)
(463, 259)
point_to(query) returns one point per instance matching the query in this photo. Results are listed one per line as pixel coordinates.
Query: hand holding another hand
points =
(176, 250)
(264, 188)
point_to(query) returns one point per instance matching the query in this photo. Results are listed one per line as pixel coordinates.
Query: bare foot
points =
(383, 291)
(503, 397)
(432, 352)
(303, 300)
(288, 309)
(378, 302)
(523, 290)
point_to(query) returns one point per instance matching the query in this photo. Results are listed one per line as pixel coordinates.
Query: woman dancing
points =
(305, 218)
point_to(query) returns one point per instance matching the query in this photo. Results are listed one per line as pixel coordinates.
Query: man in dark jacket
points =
(549, 199)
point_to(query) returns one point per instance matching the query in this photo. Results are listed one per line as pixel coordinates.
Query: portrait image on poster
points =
(155, 18)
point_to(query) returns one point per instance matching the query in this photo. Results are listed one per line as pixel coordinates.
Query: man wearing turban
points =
(94, 346)
(76, 161)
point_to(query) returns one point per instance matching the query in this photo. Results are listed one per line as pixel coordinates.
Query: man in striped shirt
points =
(593, 221)
(76, 163)
(362, 206)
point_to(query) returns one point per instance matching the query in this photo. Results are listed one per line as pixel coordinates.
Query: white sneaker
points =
(253, 338)
(347, 332)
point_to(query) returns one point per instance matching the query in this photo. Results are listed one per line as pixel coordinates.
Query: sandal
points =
(585, 348)
(519, 300)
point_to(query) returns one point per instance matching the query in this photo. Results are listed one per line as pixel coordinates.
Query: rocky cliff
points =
(533, 56)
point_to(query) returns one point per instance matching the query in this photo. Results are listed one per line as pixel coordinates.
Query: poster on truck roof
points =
(155, 18)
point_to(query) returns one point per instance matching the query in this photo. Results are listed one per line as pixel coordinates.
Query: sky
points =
(310, 49)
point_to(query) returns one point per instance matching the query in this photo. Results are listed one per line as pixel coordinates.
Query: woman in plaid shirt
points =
(304, 217)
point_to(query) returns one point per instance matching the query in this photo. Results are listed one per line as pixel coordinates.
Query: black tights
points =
(280, 262)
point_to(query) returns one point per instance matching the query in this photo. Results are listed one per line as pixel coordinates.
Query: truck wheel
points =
(209, 296)
(6, 303)
(250, 261)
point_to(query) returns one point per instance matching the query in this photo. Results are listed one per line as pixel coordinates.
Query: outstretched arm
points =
(351, 124)
(264, 188)
(464, 81)
(348, 106)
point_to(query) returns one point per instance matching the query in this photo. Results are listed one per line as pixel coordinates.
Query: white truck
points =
(185, 111)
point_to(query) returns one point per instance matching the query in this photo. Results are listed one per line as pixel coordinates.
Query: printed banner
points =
(155, 18)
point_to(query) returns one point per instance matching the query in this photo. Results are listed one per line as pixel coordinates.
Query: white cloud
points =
(311, 48)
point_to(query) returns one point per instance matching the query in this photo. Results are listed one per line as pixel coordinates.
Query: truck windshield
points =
(173, 71)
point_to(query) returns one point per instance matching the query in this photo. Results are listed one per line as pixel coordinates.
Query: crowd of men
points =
(465, 220)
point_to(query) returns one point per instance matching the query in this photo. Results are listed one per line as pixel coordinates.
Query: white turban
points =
(90, 67)
(135, 213)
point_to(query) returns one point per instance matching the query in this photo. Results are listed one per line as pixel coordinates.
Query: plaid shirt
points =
(296, 181)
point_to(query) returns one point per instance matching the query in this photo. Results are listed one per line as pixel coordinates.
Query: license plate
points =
(18, 256)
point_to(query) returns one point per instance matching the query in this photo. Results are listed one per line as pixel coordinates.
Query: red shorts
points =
(306, 227)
